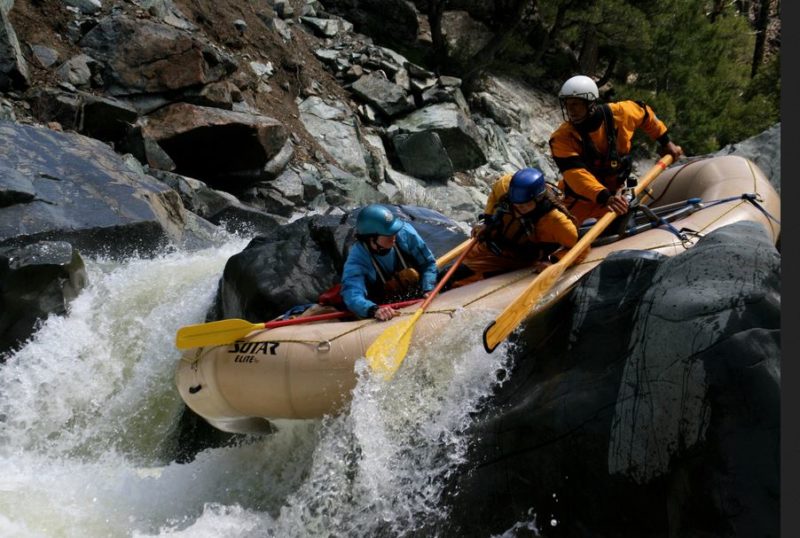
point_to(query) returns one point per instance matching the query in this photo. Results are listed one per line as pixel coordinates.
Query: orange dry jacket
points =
(566, 147)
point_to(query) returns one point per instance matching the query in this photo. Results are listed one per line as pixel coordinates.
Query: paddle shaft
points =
(518, 310)
(329, 315)
(468, 244)
(451, 254)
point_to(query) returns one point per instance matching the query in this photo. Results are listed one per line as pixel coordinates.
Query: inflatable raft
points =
(308, 370)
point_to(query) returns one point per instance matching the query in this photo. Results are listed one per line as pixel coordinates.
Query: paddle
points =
(217, 333)
(515, 312)
(386, 353)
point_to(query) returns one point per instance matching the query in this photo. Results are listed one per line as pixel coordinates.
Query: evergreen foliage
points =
(689, 59)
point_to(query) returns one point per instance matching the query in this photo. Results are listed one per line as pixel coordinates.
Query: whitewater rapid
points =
(89, 413)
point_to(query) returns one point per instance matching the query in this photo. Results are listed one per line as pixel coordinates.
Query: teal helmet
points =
(526, 185)
(377, 219)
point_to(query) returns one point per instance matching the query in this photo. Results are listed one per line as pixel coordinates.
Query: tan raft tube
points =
(307, 371)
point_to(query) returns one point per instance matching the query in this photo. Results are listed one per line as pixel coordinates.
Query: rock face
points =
(646, 404)
(337, 130)
(73, 188)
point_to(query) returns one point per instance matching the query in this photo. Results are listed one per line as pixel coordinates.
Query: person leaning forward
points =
(591, 147)
(524, 224)
(388, 262)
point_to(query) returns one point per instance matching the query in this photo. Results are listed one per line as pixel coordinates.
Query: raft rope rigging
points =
(752, 197)
(679, 210)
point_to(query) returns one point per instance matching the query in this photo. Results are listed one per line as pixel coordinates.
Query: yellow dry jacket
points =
(534, 235)
(586, 164)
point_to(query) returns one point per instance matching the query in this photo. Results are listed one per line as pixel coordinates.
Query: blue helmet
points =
(377, 219)
(526, 185)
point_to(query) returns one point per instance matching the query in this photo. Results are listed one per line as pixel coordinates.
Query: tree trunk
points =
(743, 6)
(587, 60)
(612, 63)
(717, 9)
(553, 33)
(435, 10)
(761, 36)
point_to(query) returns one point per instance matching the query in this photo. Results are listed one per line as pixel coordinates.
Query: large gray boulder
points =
(67, 187)
(228, 150)
(346, 190)
(434, 141)
(336, 130)
(142, 56)
(464, 36)
(385, 95)
(647, 403)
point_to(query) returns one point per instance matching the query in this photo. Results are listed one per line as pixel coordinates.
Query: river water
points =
(89, 410)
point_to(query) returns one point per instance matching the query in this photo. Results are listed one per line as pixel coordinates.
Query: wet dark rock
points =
(654, 386)
(15, 187)
(36, 281)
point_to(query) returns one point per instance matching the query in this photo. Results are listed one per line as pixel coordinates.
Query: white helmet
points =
(579, 86)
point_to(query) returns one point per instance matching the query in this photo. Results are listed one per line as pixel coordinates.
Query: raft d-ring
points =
(686, 236)
(324, 347)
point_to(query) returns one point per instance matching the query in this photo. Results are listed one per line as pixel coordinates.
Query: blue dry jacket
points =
(359, 272)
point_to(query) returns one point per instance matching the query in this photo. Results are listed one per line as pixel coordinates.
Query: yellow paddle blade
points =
(386, 353)
(215, 333)
(519, 309)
